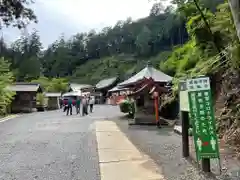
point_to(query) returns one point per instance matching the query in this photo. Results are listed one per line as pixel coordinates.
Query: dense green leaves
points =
(200, 56)
(16, 13)
(52, 85)
(5, 80)
(24, 57)
(183, 38)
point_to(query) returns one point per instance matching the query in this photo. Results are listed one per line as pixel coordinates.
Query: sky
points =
(72, 16)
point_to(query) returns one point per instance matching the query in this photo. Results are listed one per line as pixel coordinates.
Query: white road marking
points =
(8, 118)
(119, 159)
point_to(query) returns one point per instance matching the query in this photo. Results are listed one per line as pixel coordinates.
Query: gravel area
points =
(164, 146)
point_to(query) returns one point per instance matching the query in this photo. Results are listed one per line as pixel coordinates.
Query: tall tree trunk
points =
(235, 9)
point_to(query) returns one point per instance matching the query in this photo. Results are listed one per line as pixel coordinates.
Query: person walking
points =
(84, 106)
(88, 99)
(65, 105)
(78, 101)
(91, 102)
(69, 108)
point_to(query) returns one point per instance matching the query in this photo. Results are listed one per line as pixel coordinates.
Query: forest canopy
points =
(119, 50)
(186, 39)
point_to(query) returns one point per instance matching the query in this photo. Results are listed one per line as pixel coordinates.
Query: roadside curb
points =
(178, 129)
(9, 117)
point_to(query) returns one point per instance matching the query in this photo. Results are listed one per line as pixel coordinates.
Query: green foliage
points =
(6, 78)
(128, 42)
(131, 109)
(58, 85)
(95, 70)
(52, 84)
(142, 41)
(16, 13)
(40, 99)
(177, 38)
(181, 59)
(125, 106)
(199, 55)
(24, 57)
(43, 81)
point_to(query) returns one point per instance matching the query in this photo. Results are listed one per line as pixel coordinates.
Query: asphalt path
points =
(51, 145)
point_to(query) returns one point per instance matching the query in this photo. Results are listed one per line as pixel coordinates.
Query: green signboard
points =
(202, 116)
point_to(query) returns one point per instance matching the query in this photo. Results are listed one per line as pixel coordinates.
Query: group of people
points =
(85, 102)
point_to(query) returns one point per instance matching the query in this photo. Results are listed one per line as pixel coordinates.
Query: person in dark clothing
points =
(65, 104)
(78, 101)
(69, 108)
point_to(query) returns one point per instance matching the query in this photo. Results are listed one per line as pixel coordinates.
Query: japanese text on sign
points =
(202, 116)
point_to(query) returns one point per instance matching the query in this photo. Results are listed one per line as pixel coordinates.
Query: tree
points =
(26, 57)
(43, 81)
(6, 78)
(91, 56)
(52, 85)
(58, 85)
(143, 41)
(16, 13)
(157, 9)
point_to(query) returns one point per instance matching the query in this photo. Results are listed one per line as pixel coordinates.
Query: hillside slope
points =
(121, 65)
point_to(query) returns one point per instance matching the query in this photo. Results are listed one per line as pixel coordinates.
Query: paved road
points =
(53, 146)
(50, 145)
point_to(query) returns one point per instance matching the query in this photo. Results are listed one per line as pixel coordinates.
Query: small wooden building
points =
(146, 101)
(53, 100)
(104, 86)
(25, 98)
(147, 87)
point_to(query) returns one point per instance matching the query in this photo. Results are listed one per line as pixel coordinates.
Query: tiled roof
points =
(117, 88)
(77, 87)
(106, 82)
(25, 87)
(72, 93)
(148, 72)
(52, 94)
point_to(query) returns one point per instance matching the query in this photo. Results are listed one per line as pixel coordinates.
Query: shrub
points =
(125, 106)
(40, 99)
(131, 109)
(6, 79)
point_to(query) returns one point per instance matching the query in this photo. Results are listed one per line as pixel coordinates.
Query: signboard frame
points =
(202, 117)
(183, 96)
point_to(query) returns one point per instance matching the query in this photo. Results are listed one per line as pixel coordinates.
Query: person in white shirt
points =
(91, 102)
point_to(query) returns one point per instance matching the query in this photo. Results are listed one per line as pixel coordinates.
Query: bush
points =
(40, 99)
(125, 106)
(6, 79)
(131, 110)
